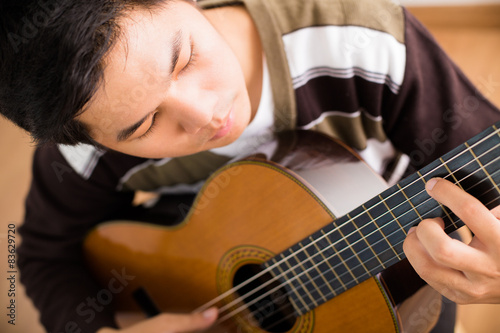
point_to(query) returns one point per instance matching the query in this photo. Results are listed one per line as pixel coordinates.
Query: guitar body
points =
(246, 213)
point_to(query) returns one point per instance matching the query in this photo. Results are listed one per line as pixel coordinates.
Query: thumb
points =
(206, 318)
(190, 322)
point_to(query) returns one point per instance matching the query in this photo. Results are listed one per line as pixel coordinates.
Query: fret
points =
(354, 253)
(295, 282)
(327, 239)
(404, 212)
(443, 208)
(301, 278)
(493, 169)
(485, 192)
(380, 231)
(399, 235)
(482, 154)
(400, 207)
(462, 166)
(409, 201)
(358, 253)
(486, 140)
(308, 270)
(369, 239)
(382, 218)
(366, 241)
(389, 226)
(482, 167)
(358, 247)
(337, 277)
(343, 258)
(465, 162)
(455, 180)
(392, 214)
(327, 271)
(444, 168)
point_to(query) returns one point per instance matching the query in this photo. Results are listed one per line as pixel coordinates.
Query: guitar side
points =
(246, 213)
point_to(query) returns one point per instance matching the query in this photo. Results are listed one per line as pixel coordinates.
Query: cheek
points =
(232, 71)
(222, 61)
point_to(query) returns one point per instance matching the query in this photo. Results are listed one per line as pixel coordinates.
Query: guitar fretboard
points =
(370, 238)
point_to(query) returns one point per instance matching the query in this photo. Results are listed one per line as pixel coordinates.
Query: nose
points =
(193, 111)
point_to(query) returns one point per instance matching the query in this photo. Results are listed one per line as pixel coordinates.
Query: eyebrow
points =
(126, 133)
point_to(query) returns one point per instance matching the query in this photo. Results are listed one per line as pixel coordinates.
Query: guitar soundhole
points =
(269, 306)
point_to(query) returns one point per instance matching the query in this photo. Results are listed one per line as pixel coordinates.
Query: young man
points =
(158, 94)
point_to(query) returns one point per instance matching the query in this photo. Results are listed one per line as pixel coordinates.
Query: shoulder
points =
(381, 15)
(291, 15)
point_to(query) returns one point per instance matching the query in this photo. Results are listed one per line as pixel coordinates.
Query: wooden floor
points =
(475, 49)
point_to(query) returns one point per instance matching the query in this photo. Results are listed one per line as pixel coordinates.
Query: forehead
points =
(137, 65)
(143, 30)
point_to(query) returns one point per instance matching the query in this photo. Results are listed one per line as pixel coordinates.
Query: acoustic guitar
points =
(280, 243)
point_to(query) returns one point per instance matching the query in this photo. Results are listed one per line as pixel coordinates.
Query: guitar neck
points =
(370, 238)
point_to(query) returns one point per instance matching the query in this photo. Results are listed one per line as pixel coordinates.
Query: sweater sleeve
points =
(437, 107)
(61, 207)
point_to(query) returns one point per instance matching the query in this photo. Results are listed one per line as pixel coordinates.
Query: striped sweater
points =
(363, 71)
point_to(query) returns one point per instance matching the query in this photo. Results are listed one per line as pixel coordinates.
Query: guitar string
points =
(291, 315)
(241, 299)
(285, 318)
(376, 230)
(380, 240)
(389, 249)
(449, 226)
(386, 249)
(232, 290)
(338, 253)
(259, 309)
(291, 268)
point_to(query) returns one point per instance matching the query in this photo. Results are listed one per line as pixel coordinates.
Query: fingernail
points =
(431, 183)
(210, 313)
(412, 229)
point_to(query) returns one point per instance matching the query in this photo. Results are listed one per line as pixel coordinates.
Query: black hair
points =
(51, 61)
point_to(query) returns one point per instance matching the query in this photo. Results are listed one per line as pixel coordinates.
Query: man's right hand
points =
(170, 323)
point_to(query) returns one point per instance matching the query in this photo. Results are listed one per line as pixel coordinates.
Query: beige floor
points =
(475, 50)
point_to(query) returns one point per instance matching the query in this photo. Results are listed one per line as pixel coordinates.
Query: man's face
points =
(172, 86)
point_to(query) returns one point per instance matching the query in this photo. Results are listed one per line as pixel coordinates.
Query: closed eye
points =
(192, 56)
(189, 64)
(150, 129)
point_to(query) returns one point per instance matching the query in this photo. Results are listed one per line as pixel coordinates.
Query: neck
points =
(238, 29)
(370, 238)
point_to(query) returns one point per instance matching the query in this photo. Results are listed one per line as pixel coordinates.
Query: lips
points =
(225, 128)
